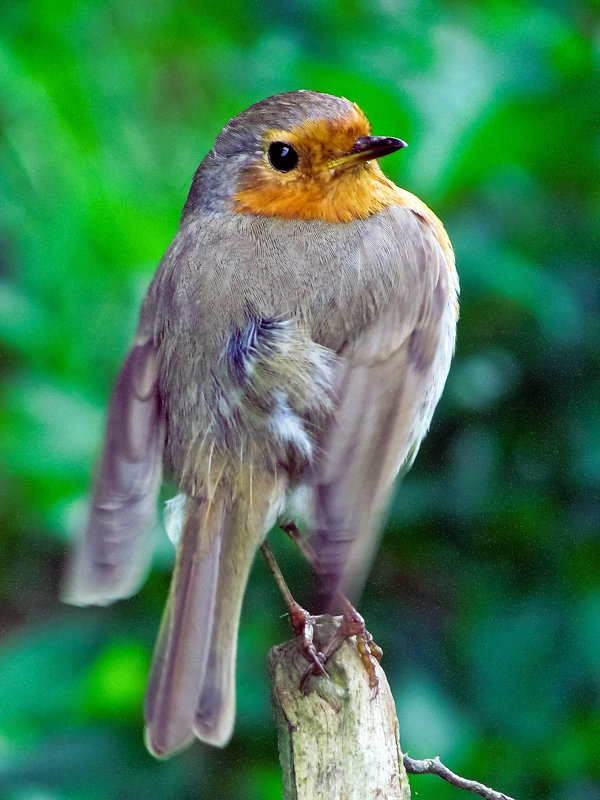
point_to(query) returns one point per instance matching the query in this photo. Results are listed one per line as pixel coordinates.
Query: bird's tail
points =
(191, 689)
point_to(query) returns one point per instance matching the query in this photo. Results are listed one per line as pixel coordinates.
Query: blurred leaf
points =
(116, 684)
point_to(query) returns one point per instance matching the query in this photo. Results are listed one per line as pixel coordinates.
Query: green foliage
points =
(485, 594)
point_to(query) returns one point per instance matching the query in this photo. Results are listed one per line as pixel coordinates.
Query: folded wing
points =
(390, 381)
(111, 559)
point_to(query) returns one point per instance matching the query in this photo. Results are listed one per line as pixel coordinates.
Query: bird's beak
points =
(366, 148)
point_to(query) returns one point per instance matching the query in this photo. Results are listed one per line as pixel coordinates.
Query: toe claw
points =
(317, 667)
(352, 626)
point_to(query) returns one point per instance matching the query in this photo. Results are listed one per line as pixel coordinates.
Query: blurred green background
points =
(485, 594)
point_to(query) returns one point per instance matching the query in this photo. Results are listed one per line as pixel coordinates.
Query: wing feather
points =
(390, 381)
(111, 559)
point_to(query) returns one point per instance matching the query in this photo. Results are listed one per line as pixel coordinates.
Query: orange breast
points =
(357, 193)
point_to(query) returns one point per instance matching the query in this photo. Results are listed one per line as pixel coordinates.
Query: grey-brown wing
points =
(390, 381)
(111, 559)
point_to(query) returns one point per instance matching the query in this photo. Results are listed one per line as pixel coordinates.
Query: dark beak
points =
(369, 147)
(366, 148)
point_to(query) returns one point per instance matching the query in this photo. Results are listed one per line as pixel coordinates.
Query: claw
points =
(370, 653)
(352, 625)
(316, 668)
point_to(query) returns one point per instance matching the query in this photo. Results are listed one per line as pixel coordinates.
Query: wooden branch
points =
(338, 738)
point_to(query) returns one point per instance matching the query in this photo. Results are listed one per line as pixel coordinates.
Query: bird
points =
(290, 352)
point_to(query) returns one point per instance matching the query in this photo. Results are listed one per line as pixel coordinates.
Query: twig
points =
(433, 766)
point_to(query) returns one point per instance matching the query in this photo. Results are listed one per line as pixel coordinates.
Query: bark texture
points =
(338, 738)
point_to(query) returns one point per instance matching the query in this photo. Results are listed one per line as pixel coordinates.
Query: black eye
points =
(282, 156)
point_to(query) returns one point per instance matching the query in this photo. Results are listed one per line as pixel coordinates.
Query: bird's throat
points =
(350, 194)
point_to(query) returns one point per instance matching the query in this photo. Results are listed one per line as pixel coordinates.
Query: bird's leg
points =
(302, 622)
(353, 623)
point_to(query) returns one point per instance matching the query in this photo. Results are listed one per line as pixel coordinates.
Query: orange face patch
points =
(315, 188)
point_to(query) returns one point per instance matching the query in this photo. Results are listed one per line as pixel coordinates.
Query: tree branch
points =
(338, 737)
(433, 766)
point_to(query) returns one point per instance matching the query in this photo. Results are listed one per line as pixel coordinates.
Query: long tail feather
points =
(181, 654)
(215, 712)
(191, 690)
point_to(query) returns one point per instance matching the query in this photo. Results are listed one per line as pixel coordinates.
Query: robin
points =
(290, 352)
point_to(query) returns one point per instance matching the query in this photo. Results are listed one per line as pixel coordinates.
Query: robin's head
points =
(298, 155)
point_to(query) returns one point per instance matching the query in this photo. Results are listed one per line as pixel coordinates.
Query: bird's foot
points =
(303, 624)
(352, 625)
